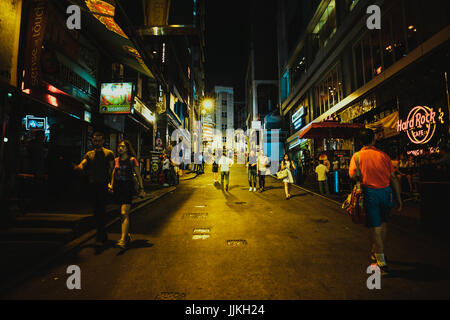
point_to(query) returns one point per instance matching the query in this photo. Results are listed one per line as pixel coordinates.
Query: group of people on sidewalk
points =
(118, 175)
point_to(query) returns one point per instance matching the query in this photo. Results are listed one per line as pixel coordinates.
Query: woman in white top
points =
(289, 166)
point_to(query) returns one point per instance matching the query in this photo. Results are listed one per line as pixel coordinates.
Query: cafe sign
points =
(420, 125)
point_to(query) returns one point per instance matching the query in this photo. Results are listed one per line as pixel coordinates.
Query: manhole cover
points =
(236, 243)
(196, 215)
(202, 230)
(171, 296)
(319, 220)
(200, 236)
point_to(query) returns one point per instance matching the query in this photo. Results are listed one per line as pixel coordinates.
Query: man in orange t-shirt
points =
(376, 176)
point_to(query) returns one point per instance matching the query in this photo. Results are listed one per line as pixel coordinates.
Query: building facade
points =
(224, 114)
(335, 68)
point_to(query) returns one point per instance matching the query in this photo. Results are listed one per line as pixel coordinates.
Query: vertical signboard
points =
(10, 17)
(37, 22)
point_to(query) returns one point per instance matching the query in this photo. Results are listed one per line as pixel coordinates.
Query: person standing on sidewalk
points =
(122, 183)
(288, 165)
(99, 164)
(321, 171)
(225, 164)
(252, 170)
(261, 166)
(376, 174)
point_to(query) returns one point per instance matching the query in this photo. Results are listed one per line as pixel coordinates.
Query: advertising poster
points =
(116, 98)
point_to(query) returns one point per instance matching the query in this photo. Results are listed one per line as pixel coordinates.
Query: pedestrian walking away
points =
(215, 169)
(252, 170)
(225, 163)
(376, 175)
(99, 165)
(321, 171)
(287, 165)
(262, 167)
(122, 184)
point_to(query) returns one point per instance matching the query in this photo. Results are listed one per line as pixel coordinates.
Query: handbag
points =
(354, 204)
(282, 174)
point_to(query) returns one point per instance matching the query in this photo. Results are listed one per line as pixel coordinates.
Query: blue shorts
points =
(378, 204)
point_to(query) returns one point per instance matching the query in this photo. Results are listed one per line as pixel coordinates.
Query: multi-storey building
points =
(331, 65)
(224, 113)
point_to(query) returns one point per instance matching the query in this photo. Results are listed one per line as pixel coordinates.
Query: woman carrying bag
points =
(126, 170)
(287, 165)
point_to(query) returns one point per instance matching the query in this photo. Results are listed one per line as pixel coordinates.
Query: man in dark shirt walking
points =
(99, 164)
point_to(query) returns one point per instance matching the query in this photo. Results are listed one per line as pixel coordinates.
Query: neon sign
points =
(298, 118)
(420, 124)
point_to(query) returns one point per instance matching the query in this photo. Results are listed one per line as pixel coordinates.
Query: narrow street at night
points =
(189, 246)
(243, 153)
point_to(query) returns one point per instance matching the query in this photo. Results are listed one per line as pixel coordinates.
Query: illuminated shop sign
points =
(116, 97)
(298, 118)
(420, 125)
(35, 123)
(87, 116)
(140, 108)
(421, 152)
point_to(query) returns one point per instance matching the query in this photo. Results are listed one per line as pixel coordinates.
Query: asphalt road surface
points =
(202, 243)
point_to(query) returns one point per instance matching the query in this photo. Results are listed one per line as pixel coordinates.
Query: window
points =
(412, 24)
(224, 139)
(326, 27)
(388, 46)
(357, 51)
(285, 85)
(329, 91)
(224, 127)
(298, 68)
(398, 32)
(224, 99)
(350, 4)
(367, 58)
(224, 114)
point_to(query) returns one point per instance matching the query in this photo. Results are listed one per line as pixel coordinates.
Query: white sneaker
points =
(254, 189)
(250, 189)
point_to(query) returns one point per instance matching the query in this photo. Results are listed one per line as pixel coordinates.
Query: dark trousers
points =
(262, 180)
(226, 175)
(252, 177)
(99, 193)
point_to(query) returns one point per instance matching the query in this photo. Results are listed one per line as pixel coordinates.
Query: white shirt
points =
(166, 164)
(225, 164)
(321, 171)
(262, 162)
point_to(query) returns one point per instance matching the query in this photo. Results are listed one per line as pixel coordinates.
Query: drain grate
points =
(240, 202)
(200, 236)
(320, 220)
(236, 243)
(171, 296)
(202, 230)
(196, 215)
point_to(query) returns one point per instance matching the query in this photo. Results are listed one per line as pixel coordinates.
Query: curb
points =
(73, 245)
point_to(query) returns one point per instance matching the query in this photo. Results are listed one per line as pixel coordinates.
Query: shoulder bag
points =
(354, 204)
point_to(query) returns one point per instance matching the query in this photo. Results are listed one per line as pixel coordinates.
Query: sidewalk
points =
(38, 238)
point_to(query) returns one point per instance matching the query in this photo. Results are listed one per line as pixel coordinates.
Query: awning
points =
(98, 18)
(330, 130)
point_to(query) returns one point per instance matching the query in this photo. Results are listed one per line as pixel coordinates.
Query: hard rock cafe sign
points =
(420, 125)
